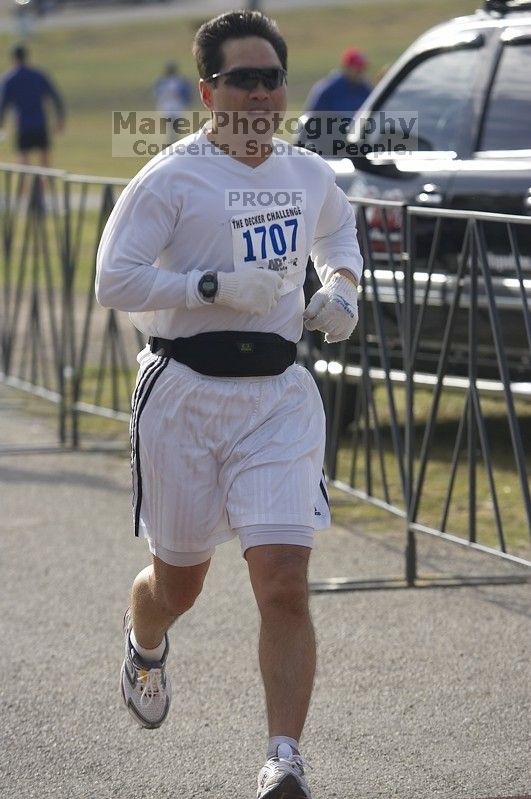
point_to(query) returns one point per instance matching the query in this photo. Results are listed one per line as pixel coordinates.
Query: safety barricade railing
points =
(444, 313)
(56, 342)
(485, 329)
(445, 303)
(32, 281)
(103, 343)
(367, 457)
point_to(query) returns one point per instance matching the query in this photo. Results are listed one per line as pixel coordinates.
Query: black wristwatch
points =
(208, 286)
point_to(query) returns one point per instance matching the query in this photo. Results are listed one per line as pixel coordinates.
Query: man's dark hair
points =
(234, 25)
(19, 53)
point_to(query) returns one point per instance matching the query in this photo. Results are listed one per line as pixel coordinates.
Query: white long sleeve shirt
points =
(187, 209)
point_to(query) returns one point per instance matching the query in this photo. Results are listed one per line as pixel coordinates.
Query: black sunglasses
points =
(248, 78)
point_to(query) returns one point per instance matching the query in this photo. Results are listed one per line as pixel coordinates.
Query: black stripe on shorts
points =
(140, 397)
(324, 492)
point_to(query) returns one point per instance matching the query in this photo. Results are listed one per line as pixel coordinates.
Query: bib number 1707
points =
(260, 237)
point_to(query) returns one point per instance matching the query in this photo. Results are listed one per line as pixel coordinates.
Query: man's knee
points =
(177, 587)
(279, 578)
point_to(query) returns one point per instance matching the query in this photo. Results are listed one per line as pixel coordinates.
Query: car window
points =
(507, 123)
(438, 89)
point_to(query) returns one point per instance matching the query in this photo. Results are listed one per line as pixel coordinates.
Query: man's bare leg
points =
(287, 650)
(161, 593)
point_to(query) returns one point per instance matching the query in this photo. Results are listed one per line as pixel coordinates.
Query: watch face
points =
(208, 285)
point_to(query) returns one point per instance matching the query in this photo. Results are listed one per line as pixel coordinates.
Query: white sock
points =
(148, 654)
(275, 742)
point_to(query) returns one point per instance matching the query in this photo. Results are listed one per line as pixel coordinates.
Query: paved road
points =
(73, 17)
(421, 694)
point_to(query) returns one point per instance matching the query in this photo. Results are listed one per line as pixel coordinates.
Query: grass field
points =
(101, 69)
(437, 480)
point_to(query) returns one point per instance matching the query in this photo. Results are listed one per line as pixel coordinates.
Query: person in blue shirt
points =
(343, 91)
(173, 94)
(27, 91)
(172, 91)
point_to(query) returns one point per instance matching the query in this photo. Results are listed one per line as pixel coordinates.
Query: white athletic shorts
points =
(216, 457)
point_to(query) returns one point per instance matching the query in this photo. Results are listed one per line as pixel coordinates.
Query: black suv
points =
(469, 82)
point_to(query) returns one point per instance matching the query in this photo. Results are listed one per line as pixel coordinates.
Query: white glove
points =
(253, 291)
(333, 309)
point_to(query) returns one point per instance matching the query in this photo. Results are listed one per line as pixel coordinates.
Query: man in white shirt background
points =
(173, 94)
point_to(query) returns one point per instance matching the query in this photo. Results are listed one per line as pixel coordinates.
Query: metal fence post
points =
(408, 262)
(68, 316)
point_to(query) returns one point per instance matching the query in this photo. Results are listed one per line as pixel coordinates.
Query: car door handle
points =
(527, 201)
(430, 194)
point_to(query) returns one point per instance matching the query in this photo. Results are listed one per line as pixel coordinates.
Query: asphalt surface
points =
(117, 13)
(421, 693)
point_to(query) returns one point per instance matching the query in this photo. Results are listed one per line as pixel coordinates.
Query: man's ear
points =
(205, 92)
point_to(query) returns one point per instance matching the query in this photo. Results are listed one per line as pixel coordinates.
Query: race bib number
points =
(274, 239)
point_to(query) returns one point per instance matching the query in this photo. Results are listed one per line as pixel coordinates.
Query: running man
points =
(207, 249)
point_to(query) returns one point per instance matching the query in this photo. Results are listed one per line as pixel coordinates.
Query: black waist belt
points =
(229, 353)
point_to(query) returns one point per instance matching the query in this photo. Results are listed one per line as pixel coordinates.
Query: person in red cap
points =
(344, 90)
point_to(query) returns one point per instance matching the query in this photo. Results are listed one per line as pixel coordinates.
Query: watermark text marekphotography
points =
(145, 134)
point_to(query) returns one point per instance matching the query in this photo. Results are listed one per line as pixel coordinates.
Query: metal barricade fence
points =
(435, 320)
(103, 343)
(444, 323)
(486, 313)
(33, 280)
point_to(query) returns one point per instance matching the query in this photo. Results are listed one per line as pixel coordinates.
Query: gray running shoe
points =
(282, 777)
(146, 689)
